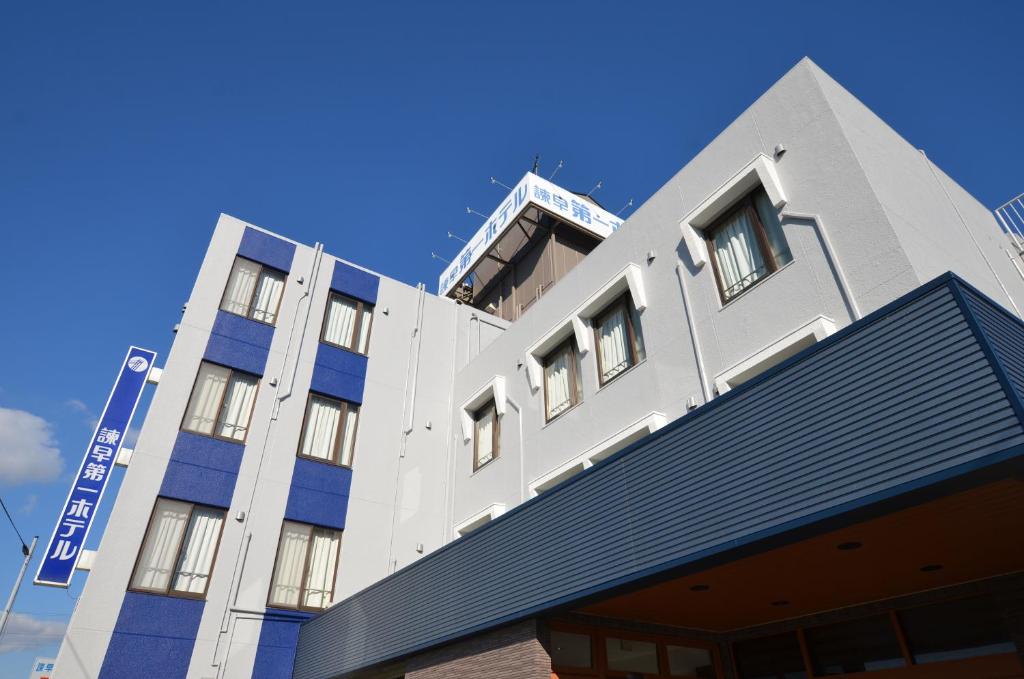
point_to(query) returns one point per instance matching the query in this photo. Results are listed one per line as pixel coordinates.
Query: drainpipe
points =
(698, 354)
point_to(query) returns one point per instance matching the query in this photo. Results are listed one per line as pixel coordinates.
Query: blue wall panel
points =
(153, 637)
(902, 400)
(276, 651)
(354, 282)
(266, 249)
(319, 494)
(202, 469)
(339, 373)
(239, 342)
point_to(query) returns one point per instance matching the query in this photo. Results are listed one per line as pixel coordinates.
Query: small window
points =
(179, 550)
(253, 291)
(628, 655)
(486, 435)
(746, 244)
(561, 380)
(329, 430)
(221, 403)
(569, 649)
(347, 324)
(956, 629)
(774, 657)
(619, 339)
(857, 646)
(307, 561)
(686, 661)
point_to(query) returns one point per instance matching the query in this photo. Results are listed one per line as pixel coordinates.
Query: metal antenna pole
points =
(17, 585)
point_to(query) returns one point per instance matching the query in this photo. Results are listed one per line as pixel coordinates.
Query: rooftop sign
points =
(553, 199)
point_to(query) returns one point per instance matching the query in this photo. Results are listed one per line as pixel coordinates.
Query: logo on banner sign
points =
(68, 539)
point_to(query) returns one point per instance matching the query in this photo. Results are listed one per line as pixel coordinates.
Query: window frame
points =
(357, 330)
(747, 204)
(335, 459)
(575, 387)
(495, 434)
(598, 653)
(305, 567)
(255, 289)
(220, 404)
(177, 554)
(624, 301)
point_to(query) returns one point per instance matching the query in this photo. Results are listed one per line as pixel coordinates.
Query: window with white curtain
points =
(253, 291)
(561, 380)
(347, 324)
(307, 560)
(485, 435)
(619, 339)
(221, 403)
(179, 549)
(746, 244)
(329, 432)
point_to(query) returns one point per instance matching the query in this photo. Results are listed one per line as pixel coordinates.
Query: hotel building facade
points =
(769, 426)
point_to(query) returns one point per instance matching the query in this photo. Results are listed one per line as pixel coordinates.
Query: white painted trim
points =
(494, 389)
(610, 445)
(87, 560)
(759, 171)
(578, 322)
(819, 328)
(124, 457)
(480, 518)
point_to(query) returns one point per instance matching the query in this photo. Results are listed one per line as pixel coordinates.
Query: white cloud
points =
(25, 632)
(30, 504)
(28, 452)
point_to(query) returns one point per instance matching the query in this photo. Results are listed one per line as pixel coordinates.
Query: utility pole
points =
(27, 551)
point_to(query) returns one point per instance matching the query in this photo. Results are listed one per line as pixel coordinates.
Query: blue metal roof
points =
(924, 390)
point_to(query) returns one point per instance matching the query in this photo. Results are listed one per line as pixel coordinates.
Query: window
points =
(329, 430)
(348, 323)
(628, 655)
(307, 561)
(685, 661)
(179, 550)
(485, 435)
(956, 629)
(221, 403)
(569, 649)
(561, 380)
(746, 244)
(619, 339)
(253, 291)
(775, 657)
(857, 646)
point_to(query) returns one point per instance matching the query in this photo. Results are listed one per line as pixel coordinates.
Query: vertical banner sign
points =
(68, 539)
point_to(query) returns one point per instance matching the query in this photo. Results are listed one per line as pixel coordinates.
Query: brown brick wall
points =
(513, 652)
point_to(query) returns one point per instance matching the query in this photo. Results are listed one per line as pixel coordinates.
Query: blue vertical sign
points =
(68, 539)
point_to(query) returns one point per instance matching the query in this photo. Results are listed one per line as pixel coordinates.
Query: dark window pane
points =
(776, 657)
(627, 655)
(857, 646)
(569, 649)
(956, 629)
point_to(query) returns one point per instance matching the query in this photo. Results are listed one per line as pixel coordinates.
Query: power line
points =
(24, 547)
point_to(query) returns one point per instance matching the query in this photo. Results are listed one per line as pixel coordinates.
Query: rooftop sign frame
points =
(541, 193)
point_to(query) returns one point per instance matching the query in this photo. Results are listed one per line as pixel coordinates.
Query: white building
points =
(318, 426)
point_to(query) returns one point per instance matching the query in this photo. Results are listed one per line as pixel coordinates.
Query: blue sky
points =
(125, 130)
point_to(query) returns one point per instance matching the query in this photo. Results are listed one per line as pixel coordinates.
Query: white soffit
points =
(759, 171)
